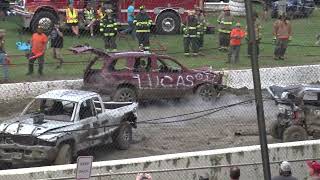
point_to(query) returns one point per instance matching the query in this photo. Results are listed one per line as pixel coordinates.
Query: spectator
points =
(285, 172)
(89, 18)
(72, 19)
(130, 29)
(56, 37)
(257, 27)
(236, 35)
(38, 47)
(234, 173)
(282, 33)
(4, 8)
(143, 176)
(314, 170)
(3, 57)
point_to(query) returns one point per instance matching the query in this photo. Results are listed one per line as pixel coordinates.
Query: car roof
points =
(67, 95)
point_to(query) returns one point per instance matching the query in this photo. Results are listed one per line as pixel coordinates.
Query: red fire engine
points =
(166, 14)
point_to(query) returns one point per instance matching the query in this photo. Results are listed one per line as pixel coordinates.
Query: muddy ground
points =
(213, 131)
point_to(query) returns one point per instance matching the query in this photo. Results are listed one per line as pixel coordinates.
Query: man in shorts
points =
(56, 37)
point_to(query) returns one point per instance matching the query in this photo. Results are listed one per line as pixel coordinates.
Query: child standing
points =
(3, 57)
(236, 35)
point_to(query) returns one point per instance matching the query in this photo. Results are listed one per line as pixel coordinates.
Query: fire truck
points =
(167, 15)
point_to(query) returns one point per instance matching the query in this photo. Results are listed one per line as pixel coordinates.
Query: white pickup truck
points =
(56, 125)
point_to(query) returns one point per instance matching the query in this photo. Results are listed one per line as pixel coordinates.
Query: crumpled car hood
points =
(26, 127)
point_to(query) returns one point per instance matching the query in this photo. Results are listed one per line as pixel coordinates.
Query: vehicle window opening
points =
(97, 105)
(167, 65)
(118, 65)
(86, 110)
(142, 64)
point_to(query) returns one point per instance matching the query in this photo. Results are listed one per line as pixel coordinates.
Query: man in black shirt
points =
(56, 37)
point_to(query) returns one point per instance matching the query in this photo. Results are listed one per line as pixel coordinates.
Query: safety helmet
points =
(142, 7)
(226, 8)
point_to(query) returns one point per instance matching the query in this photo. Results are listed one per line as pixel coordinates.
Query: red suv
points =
(132, 76)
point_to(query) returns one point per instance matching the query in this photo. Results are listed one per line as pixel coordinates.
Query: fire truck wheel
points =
(44, 18)
(168, 23)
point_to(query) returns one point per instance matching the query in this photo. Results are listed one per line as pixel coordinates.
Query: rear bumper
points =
(21, 154)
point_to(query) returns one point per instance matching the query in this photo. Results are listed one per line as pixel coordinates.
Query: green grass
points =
(304, 30)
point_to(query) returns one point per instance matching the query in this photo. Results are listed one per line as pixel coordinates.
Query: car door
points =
(169, 78)
(89, 121)
(142, 75)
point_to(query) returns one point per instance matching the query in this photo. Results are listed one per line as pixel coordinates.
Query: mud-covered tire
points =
(168, 23)
(295, 133)
(275, 130)
(47, 17)
(125, 95)
(206, 92)
(122, 138)
(64, 155)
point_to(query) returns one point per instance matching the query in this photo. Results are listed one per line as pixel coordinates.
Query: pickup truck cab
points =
(56, 125)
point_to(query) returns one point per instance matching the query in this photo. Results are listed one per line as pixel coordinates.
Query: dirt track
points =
(210, 132)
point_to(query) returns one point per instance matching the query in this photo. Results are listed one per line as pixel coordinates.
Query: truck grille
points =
(14, 139)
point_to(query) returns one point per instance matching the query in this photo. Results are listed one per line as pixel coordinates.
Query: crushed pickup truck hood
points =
(26, 127)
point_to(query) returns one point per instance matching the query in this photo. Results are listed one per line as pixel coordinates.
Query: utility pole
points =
(258, 92)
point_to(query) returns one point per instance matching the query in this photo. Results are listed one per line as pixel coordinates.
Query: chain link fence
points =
(180, 119)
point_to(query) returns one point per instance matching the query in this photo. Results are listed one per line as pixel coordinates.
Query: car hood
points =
(204, 70)
(27, 127)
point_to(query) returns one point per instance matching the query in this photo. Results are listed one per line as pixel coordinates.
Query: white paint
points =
(84, 166)
(229, 156)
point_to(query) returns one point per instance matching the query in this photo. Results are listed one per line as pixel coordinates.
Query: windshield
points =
(58, 110)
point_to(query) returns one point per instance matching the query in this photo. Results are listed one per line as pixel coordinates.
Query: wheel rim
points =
(168, 24)
(126, 96)
(296, 137)
(206, 94)
(46, 23)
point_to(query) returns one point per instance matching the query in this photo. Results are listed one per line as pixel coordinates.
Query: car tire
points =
(125, 95)
(47, 18)
(275, 130)
(295, 133)
(123, 136)
(64, 155)
(206, 92)
(170, 17)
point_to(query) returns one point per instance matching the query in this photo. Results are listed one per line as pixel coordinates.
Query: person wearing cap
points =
(143, 24)
(234, 173)
(285, 172)
(282, 35)
(38, 47)
(109, 29)
(191, 34)
(257, 28)
(202, 25)
(236, 35)
(314, 170)
(225, 21)
(72, 19)
(3, 56)
(130, 12)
